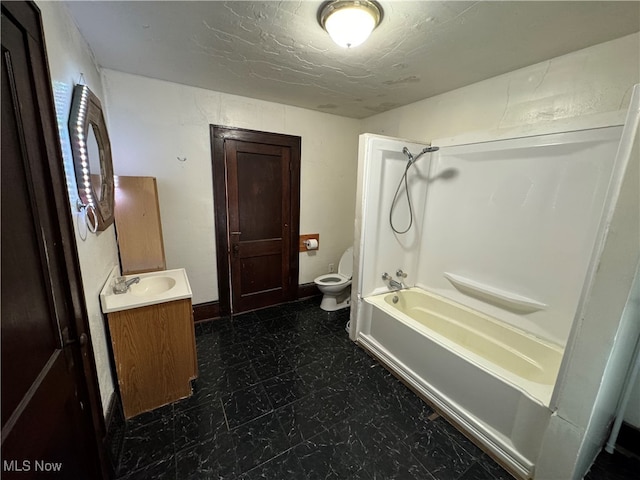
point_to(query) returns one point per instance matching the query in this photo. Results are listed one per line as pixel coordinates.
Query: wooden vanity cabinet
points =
(155, 354)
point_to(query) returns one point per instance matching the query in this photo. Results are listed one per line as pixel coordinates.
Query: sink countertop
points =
(112, 302)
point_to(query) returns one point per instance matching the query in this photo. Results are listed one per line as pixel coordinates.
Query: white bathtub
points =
(491, 379)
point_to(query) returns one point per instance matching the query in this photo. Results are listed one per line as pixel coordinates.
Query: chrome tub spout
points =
(393, 284)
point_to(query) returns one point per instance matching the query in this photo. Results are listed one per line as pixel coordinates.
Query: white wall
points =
(69, 56)
(591, 83)
(619, 365)
(153, 122)
(632, 412)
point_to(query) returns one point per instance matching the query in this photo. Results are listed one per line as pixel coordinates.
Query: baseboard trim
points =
(211, 310)
(306, 290)
(108, 416)
(113, 441)
(206, 311)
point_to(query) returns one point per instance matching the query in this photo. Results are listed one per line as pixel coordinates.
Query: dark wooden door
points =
(261, 180)
(46, 420)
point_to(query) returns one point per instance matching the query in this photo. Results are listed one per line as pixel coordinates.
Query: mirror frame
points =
(86, 112)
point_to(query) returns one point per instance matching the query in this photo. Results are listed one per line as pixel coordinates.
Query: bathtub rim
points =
(424, 290)
(536, 392)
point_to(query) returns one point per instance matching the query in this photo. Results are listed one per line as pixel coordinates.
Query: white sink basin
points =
(153, 288)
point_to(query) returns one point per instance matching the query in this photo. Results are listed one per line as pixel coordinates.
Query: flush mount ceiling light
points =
(350, 22)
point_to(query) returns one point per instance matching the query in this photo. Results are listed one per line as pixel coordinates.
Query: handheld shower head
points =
(430, 149)
(410, 156)
(411, 161)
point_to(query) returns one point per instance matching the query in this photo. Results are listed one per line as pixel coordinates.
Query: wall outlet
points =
(332, 267)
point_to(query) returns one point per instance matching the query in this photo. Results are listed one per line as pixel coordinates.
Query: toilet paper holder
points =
(306, 243)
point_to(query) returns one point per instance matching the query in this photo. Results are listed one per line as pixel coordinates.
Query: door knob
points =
(236, 249)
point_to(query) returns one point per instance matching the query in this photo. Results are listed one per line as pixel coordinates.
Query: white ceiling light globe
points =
(350, 22)
(350, 27)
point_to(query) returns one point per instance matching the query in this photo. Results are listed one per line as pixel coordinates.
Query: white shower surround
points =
(529, 214)
(599, 187)
(517, 218)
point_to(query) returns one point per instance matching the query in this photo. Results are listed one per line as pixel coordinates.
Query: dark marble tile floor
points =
(283, 394)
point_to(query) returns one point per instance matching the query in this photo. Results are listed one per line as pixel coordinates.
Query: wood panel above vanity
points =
(138, 225)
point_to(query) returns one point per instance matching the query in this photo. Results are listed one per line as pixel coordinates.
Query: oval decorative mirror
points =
(92, 154)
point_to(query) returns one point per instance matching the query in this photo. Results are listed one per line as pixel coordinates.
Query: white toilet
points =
(336, 286)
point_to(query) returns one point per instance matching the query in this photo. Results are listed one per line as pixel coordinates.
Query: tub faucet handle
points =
(393, 285)
(400, 273)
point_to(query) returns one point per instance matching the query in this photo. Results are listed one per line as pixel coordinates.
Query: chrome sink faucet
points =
(393, 284)
(121, 285)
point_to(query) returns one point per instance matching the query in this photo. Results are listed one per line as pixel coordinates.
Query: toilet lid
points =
(345, 267)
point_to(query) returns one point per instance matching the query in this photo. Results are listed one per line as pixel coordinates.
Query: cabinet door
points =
(137, 214)
(153, 348)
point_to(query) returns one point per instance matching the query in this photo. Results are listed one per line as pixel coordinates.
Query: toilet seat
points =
(333, 279)
(345, 267)
(343, 276)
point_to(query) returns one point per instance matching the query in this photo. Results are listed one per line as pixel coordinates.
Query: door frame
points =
(219, 134)
(27, 14)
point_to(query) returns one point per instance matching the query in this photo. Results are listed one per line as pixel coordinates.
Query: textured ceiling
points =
(276, 51)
